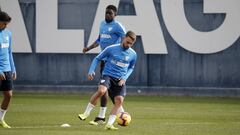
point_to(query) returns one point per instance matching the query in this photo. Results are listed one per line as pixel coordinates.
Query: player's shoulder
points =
(132, 51)
(113, 46)
(102, 23)
(119, 24)
(8, 32)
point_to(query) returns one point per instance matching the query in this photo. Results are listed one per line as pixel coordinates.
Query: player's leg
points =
(112, 117)
(7, 95)
(121, 109)
(103, 105)
(102, 89)
(117, 94)
(103, 102)
(100, 119)
(93, 101)
(6, 87)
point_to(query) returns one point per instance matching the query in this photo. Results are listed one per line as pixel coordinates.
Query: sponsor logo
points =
(4, 45)
(105, 36)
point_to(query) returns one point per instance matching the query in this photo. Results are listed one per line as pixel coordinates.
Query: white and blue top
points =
(119, 64)
(110, 33)
(6, 58)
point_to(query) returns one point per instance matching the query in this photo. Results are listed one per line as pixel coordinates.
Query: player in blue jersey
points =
(110, 32)
(120, 61)
(7, 68)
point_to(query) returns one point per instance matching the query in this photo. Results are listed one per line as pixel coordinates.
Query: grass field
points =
(42, 114)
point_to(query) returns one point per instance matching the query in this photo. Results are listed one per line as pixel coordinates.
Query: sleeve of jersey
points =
(130, 68)
(121, 31)
(96, 60)
(98, 39)
(13, 69)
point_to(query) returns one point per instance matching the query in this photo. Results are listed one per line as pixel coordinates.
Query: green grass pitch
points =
(42, 114)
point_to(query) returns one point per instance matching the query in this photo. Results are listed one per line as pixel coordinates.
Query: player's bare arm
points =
(121, 82)
(94, 45)
(14, 76)
(91, 76)
(2, 76)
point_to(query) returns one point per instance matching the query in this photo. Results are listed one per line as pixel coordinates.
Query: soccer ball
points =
(123, 118)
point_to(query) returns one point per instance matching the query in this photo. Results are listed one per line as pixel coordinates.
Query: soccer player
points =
(111, 32)
(120, 60)
(7, 68)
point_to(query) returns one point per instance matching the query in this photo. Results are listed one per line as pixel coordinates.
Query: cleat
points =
(92, 122)
(97, 121)
(110, 127)
(4, 124)
(82, 116)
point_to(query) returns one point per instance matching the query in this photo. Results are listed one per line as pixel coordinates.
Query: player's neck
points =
(107, 21)
(124, 47)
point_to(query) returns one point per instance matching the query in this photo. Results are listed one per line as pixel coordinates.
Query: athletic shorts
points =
(113, 88)
(6, 85)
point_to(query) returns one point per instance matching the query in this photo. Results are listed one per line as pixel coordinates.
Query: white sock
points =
(102, 112)
(120, 110)
(89, 109)
(2, 113)
(111, 119)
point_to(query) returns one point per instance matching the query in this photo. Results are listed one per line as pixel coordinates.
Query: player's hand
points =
(121, 82)
(85, 49)
(2, 76)
(14, 76)
(91, 76)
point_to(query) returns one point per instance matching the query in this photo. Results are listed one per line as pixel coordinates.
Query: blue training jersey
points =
(119, 61)
(6, 58)
(110, 33)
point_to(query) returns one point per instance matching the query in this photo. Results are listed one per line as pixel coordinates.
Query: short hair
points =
(4, 17)
(132, 35)
(112, 7)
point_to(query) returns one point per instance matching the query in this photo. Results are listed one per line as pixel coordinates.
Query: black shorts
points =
(6, 85)
(113, 88)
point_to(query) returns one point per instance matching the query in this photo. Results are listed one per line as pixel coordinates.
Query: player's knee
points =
(118, 101)
(105, 96)
(101, 92)
(8, 95)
